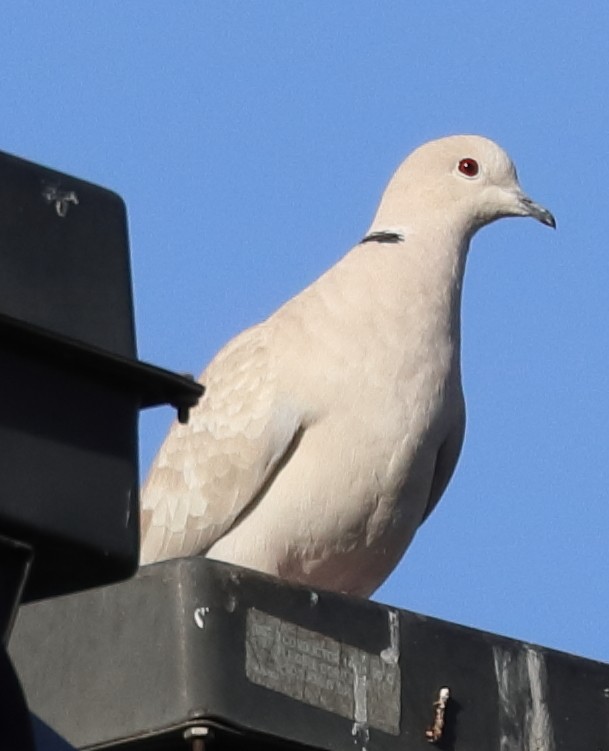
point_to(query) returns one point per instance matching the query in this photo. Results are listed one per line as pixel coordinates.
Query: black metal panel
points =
(147, 384)
(194, 642)
(68, 431)
(64, 256)
(69, 469)
(72, 386)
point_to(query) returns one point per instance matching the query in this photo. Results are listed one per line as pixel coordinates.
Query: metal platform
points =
(194, 643)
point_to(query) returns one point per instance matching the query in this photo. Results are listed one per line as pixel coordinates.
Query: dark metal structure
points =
(72, 389)
(193, 647)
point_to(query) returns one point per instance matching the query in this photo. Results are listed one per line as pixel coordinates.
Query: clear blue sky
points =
(251, 142)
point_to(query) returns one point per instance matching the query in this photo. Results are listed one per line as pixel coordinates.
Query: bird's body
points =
(328, 432)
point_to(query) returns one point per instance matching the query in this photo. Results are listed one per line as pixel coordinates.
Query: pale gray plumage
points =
(328, 432)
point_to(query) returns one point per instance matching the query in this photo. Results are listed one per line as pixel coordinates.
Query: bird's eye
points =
(469, 167)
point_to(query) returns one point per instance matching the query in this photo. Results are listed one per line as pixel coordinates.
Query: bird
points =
(329, 431)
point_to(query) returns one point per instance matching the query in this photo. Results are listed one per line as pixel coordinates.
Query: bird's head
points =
(467, 180)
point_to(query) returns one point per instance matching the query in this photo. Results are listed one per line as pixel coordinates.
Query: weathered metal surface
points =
(322, 672)
(194, 642)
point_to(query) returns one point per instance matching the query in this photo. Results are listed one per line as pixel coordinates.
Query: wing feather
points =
(208, 472)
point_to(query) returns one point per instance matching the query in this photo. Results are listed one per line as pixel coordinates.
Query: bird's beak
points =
(530, 208)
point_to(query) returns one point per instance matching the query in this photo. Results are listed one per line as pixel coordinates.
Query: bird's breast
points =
(344, 508)
(377, 382)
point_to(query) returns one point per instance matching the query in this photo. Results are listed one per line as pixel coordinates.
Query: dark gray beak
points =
(538, 212)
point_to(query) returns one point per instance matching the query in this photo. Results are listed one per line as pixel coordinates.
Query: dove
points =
(328, 433)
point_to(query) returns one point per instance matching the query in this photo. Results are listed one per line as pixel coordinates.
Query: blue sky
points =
(251, 142)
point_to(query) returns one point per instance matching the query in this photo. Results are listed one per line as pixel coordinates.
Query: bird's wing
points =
(446, 461)
(208, 472)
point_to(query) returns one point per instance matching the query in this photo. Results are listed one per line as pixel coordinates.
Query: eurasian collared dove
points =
(328, 432)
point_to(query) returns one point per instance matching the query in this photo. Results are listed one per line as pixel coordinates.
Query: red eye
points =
(469, 167)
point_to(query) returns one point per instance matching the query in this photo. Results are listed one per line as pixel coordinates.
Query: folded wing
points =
(209, 472)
